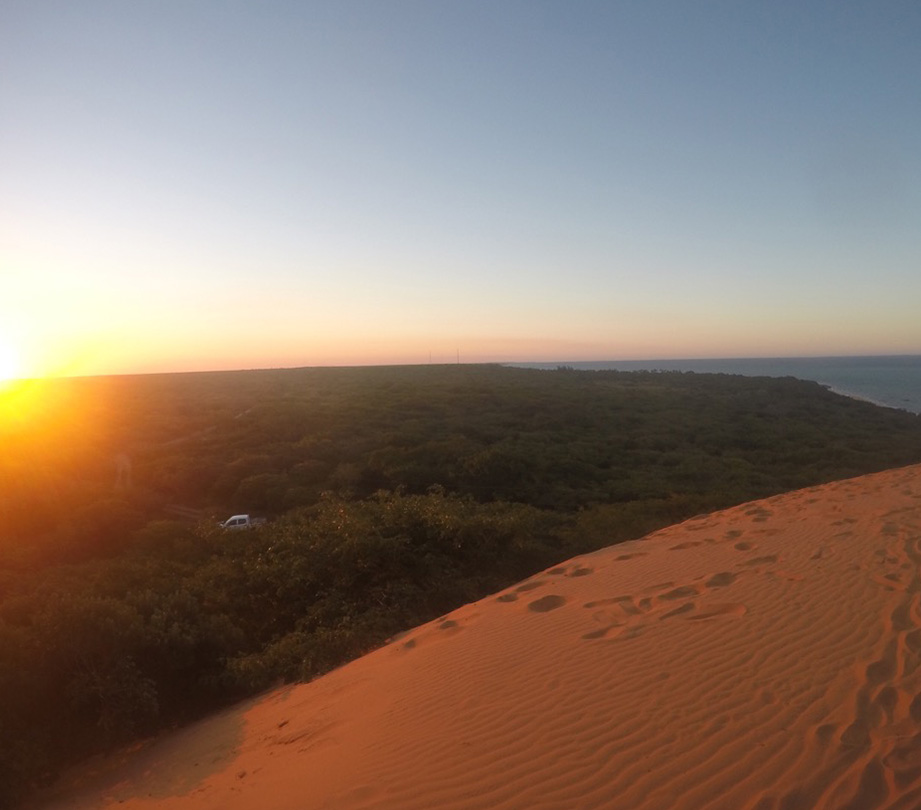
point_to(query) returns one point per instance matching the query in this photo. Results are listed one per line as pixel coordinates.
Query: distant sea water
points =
(893, 381)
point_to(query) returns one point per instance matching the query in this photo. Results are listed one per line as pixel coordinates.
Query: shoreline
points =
(901, 374)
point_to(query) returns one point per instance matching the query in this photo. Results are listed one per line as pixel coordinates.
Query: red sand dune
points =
(765, 657)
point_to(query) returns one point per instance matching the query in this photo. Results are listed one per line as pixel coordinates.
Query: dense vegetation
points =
(396, 494)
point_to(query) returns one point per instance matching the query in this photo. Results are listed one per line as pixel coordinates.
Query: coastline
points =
(889, 381)
(860, 398)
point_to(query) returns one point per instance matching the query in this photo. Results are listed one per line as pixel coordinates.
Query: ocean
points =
(891, 381)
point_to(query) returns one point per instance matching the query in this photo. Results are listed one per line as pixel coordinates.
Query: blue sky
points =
(205, 184)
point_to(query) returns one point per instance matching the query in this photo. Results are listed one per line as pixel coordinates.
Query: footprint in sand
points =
(529, 586)
(856, 735)
(694, 612)
(581, 572)
(687, 607)
(721, 579)
(880, 671)
(759, 514)
(914, 708)
(888, 700)
(625, 616)
(547, 603)
(902, 618)
(507, 597)
(699, 528)
(687, 544)
(679, 593)
(770, 558)
(612, 601)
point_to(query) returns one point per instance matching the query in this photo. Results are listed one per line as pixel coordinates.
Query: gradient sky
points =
(194, 184)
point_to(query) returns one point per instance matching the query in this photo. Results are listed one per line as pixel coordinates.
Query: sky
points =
(211, 184)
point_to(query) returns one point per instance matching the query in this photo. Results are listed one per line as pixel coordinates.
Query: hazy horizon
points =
(577, 361)
(192, 186)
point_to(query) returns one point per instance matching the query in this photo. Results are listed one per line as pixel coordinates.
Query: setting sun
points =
(9, 363)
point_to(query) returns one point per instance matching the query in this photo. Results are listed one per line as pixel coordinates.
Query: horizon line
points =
(13, 381)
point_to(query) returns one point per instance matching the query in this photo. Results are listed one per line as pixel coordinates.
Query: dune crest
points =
(761, 658)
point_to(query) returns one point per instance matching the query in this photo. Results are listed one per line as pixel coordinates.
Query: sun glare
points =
(9, 364)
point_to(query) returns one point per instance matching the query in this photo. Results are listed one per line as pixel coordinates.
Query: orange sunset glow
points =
(516, 405)
(504, 183)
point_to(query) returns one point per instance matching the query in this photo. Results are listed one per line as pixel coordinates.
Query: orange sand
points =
(766, 657)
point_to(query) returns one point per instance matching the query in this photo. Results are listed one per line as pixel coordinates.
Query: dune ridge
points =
(761, 658)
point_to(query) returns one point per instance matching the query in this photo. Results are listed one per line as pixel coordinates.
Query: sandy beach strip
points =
(761, 658)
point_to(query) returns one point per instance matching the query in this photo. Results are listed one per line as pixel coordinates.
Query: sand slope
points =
(764, 657)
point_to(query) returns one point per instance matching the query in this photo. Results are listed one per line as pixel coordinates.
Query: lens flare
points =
(9, 364)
